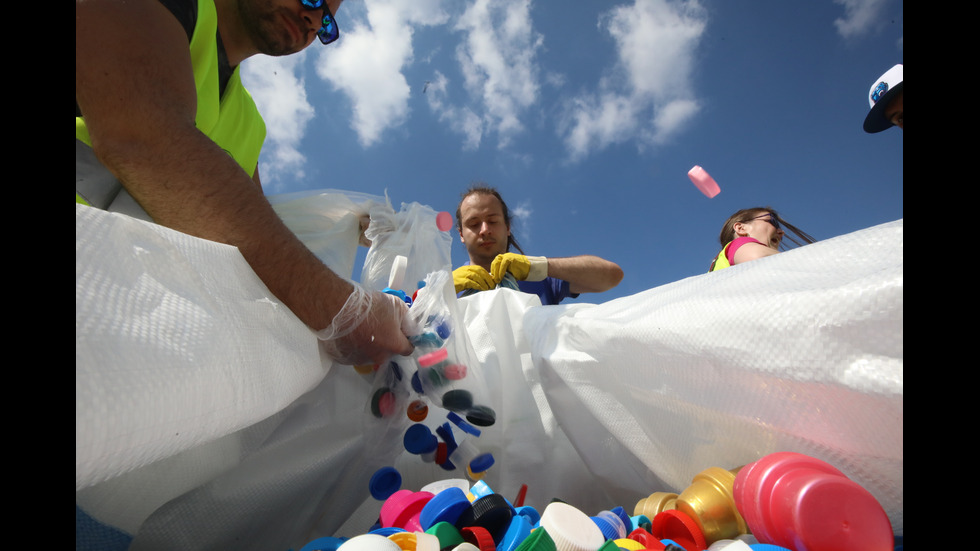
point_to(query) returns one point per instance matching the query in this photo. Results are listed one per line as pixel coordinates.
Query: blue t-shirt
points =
(550, 290)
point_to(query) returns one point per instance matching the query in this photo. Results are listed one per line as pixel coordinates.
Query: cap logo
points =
(879, 91)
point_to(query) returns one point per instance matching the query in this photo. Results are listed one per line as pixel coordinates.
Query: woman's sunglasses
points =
(328, 30)
(768, 217)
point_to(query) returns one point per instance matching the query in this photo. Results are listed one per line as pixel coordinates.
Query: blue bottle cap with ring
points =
(610, 525)
(623, 516)
(446, 506)
(384, 482)
(530, 513)
(518, 531)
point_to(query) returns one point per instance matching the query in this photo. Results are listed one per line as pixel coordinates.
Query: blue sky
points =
(587, 117)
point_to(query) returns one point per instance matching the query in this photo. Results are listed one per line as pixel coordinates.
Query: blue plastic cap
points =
(621, 513)
(608, 530)
(384, 482)
(446, 506)
(463, 425)
(387, 531)
(324, 544)
(481, 462)
(443, 330)
(530, 513)
(518, 530)
(417, 383)
(419, 439)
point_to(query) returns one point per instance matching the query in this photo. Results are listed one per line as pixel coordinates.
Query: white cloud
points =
(366, 63)
(499, 70)
(859, 16)
(521, 222)
(277, 86)
(461, 120)
(647, 96)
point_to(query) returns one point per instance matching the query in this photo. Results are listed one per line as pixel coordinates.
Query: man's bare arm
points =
(586, 273)
(134, 85)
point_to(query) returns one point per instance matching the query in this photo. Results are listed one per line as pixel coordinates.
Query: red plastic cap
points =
(675, 525)
(479, 537)
(647, 539)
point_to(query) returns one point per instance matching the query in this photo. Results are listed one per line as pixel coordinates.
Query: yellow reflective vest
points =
(721, 261)
(232, 120)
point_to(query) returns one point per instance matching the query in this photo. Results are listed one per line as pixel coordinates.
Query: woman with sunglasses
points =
(753, 233)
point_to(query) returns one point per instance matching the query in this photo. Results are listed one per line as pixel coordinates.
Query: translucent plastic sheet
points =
(205, 418)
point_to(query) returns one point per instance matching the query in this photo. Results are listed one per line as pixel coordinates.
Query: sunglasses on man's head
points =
(768, 217)
(328, 29)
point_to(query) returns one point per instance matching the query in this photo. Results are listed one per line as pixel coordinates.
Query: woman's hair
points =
(484, 189)
(799, 237)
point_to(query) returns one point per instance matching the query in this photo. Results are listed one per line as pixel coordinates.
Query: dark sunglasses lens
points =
(328, 32)
(313, 4)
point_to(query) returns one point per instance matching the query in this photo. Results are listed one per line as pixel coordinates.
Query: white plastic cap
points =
(369, 542)
(571, 529)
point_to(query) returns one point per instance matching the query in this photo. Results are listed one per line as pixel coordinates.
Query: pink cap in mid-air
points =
(704, 181)
(444, 221)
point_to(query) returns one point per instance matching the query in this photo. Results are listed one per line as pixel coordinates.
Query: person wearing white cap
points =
(885, 97)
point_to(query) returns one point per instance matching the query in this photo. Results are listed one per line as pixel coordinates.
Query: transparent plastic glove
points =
(473, 277)
(523, 268)
(362, 239)
(369, 329)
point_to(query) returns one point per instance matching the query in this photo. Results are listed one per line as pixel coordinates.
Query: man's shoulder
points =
(186, 13)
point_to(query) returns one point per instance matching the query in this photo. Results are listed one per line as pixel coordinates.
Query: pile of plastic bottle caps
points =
(782, 502)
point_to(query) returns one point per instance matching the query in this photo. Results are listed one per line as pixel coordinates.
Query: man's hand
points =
(523, 268)
(473, 277)
(370, 328)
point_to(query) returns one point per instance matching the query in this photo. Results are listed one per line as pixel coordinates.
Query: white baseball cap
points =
(882, 91)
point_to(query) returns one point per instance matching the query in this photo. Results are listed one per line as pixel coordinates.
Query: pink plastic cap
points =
(817, 511)
(402, 509)
(753, 485)
(703, 181)
(432, 358)
(444, 221)
(455, 372)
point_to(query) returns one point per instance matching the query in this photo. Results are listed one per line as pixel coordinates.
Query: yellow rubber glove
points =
(472, 277)
(523, 268)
